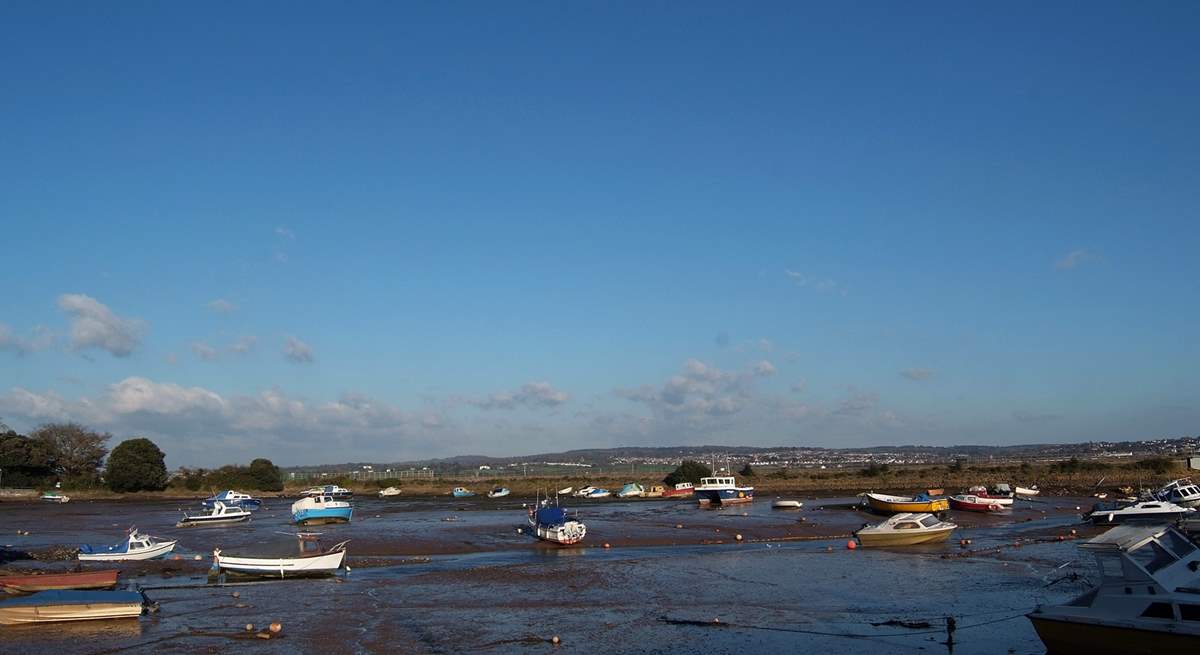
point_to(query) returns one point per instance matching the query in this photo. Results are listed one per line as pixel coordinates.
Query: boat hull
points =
(58, 606)
(565, 534)
(157, 550)
(901, 539)
(911, 507)
(677, 493)
(27, 584)
(1060, 636)
(1115, 518)
(980, 506)
(195, 521)
(724, 496)
(281, 567)
(323, 515)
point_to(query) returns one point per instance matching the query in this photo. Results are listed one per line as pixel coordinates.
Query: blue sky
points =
(378, 231)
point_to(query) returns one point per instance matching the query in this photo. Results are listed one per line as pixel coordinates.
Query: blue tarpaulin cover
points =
(67, 597)
(551, 515)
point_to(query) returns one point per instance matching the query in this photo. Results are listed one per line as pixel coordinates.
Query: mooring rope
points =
(715, 624)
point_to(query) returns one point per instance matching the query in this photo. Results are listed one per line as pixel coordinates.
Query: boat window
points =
(1152, 556)
(1189, 612)
(1158, 611)
(1178, 544)
(1110, 565)
(906, 526)
(930, 521)
(1149, 506)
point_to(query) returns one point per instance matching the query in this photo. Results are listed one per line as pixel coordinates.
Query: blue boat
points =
(722, 491)
(315, 510)
(231, 498)
(462, 492)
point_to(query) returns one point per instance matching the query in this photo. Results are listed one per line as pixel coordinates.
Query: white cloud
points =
(204, 351)
(1074, 259)
(284, 232)
(244, 344)
(93, 325)
(297, 351)
(699, 392)
(222, 306)
(822, 284)
(532, 395)
(799, 387)
(42, 339)
(764, 369)
(917, 374)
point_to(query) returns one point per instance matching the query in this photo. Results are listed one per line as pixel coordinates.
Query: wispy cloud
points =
(822, 284)
(917, 374)
(222, 306)
(284, 232)
(94, 325)
(244, 344)
(764, 369)
(1075, 259)
(532, 395)
(296, 351)
(204, 351)
(41, 339)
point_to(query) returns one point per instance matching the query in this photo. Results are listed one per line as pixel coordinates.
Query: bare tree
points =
(77, 451)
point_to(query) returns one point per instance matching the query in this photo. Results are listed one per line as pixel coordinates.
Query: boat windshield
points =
(1153, 556)
(930, 521)
(907, 525)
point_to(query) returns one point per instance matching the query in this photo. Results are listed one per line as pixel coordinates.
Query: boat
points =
(1182, 492)
(780, 503)
(389, 492)
(655, 491)
(566, 490)
(1144, 510)
(722, 491)
(137, 546)
(1000, 495)
(55, 497)
(921, 503)
(936, 491)
(462, 492)
(906, 529)
(599, 493)
(331, 490)
(499, 492)
(973, 503)
(310, 560)
(27, 584)
(1027, 492)
(316, 510)
(219, 515)
(1147, 601)
(231, 498)
(631, 490)
(60, 605)
(552, 524)
(679, 490)
(583, 492)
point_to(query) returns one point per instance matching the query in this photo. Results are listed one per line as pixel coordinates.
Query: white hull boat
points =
(566, 491)
(1144, 511)
(1183, 492)
(220, 515)
(498, 492)
(787, 504)
(137, 546)
(310, 561)
(583, 492)
(552, 524)
(1027, 492)
(389, 492)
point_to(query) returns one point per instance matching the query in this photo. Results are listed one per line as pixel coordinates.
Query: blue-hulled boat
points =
(722, 491)
(315, 510)
(462, 492)
(231, 498)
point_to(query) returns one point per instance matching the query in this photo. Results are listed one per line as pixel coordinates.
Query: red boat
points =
(681, 489)
(982, 493)
(972, 503)
(24, 584)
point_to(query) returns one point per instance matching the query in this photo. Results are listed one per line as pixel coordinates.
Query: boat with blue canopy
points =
(231, 498)
(551, 523)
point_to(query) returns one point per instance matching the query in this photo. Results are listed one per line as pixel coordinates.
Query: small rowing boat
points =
(787, 504)
(311, 560)
(50, 606)
(921, 503)
(27, 584)
(971, 503)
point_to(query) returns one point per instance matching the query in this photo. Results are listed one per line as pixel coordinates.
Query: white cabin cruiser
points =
(1182, 492)
(220, 514)
(1146, 510)
(137, 546)
(1147, 602)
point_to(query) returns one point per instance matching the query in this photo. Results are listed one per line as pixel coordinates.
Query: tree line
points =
(76, 457)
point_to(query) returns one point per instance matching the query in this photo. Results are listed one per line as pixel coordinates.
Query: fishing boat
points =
(1145, 510)
(1000, 495)
(1147, 601)
(972, 503)
(921, 503)
(137, 546)
(1027, 492)
(316, 510)
(655, 491)
(599, 493)
(631, 490)
(231, 498)
(462, 492)
(679, 490)
(722, 491)
(781, 503)
(389, 492)
(52, 606)
(27, 584)
(906, 530)
(220, 514)
(566, 490)
(330, 490)
(284, 562)
(55, 497)
(499, 492)
(583, 492)
(1182, 492)
(551, 523)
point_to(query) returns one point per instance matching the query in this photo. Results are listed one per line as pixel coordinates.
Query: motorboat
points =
(551, 523)
(1182, 492)
(220, 514)
(906, 529)
(1147, 601)
(1027, 492)
(681, 489)
(599, 493)
(309, 560)
(973, 503)
(137, 546)
(722, 491)
(921, 503)
(55, 497)
(231, 498)
(499, 492)
(331, 490)
(1000, 495)
(316, 510)
(582, 492)
(781, 503)
(631, 490)
(462, 492)
(389, 492)
(655, 491)
(54, 606)
(28, 584)
(1143, 510)
(566, 490)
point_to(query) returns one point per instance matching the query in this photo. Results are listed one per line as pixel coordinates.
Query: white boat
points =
(1145, 510)
(1147, 601)
(599, 493)
(583, 492)
(722, 491)
(233, 498)
(499, 492)
(137, 546)
(389, 492)
(566, 490)
(631, 490)
(552, 524)
(311, 560)
(55, 497)
(219, 515)
(1182, 492)
(331, 490)
(70, 605)
(315, 510)
(1027, 492)
(787, 504)
(906, 530)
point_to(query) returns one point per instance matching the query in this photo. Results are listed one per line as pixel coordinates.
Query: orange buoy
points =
(738, 537)
(276, 627)
(606, 545)
(851, 545)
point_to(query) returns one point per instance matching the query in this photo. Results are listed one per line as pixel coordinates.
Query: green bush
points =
(688, 471)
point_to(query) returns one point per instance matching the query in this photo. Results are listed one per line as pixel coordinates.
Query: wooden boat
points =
(655, 491)
(679, 490)
(27, 584)
(787, 504)
(722, 491)
(906, 530)
(499, 492)
(909, 504)
(137, 546)
(389, 492)
(316, 510)
(55, 497)
(971, 503)
(220, 515)
(1144, 604)
(51, 606)
(311, 560)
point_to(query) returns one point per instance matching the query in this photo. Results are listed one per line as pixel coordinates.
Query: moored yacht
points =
(315, 510)
(1182, 492)
(722, 491)
(1145, 510)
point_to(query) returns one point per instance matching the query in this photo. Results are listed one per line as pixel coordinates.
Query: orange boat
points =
(25, 584)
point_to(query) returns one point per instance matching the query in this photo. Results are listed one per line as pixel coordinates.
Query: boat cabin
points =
(1179, 490)
(683, 485)
(917, 523)
(717, 482)
(1158, 557)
